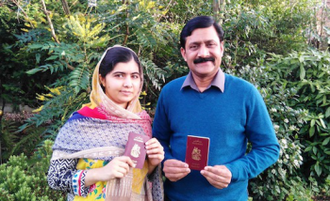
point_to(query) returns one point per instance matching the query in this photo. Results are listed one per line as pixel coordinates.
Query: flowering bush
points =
(303, 135)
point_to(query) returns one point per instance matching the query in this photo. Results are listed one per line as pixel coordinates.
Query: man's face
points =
(203, 52)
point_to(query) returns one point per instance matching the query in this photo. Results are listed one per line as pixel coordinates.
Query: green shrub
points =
(13, 142)
(308, 74)
(24, 179)
(273, 184)
(299, 190)
(296, 91)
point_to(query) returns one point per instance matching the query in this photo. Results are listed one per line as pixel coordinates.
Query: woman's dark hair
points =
(196, 23)
(117, 55)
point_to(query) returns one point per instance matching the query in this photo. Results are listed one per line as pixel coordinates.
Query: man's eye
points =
(193, 47)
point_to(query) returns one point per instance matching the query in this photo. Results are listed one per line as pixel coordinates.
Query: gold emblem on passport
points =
(135, 151)
(196, 154)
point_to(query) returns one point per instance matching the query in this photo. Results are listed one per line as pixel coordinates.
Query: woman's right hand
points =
(116, 168)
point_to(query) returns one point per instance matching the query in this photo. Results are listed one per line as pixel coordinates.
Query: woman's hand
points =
(155, 153)
(116, 168)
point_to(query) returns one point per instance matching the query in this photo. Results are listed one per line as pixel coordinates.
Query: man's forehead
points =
(198, 41)
(203, 35)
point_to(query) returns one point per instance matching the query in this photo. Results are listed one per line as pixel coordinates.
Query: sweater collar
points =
(218, 81)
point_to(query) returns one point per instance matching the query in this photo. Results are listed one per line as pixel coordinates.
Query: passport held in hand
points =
(135, 148)
(197, 152)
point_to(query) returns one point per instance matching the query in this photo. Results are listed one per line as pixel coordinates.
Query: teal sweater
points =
(230, 119)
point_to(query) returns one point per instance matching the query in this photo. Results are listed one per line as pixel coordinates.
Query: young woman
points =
(88, 160)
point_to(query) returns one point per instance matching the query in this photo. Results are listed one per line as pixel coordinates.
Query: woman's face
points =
(123, 83)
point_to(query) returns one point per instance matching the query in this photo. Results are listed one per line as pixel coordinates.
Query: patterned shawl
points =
(100, 131)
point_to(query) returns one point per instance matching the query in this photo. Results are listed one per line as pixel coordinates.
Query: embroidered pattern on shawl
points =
(85, 137)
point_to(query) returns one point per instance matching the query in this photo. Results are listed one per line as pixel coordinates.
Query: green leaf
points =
(53, 57)
(322, 123)
(318, 169)
(312, 122)
(327, 152)
(302, 72)
(308, 149)
(327, 113)
(315, 150)
(326, 141)
(33, 71)
(311, 131)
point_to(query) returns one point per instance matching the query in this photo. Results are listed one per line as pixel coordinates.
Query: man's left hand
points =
(218, 176)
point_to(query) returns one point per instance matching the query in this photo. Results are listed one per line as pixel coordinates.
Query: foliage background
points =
(49, 49)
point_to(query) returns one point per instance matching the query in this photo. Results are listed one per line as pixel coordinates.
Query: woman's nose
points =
(128, 82)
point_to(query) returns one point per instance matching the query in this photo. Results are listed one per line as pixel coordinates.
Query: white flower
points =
(273, 110)
(276, 127)
(273, 171)
(284, 143)
(296, 163)
(286, 121)
(63, 53)
(292, 127)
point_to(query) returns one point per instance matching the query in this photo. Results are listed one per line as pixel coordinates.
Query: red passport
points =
(135, 148)
(197, 152)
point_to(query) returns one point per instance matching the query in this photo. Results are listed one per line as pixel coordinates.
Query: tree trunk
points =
(127, 26)
(1, 115)
(65, 7)
(219, 7)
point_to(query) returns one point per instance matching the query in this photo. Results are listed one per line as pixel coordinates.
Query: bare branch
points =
(49, 21)
(24, 13)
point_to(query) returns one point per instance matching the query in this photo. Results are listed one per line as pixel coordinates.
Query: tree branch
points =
(65, 7)
(24, 13)
(49, 21)
(127, 27)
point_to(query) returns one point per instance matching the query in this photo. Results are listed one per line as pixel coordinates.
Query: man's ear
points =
(222, 47)
(183, 53)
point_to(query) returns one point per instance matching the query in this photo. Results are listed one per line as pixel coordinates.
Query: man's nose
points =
(203, 51)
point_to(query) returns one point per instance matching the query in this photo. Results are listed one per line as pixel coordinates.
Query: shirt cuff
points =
(78, 183)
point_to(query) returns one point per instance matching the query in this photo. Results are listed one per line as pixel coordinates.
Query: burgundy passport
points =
(135, 148)
(197, 152)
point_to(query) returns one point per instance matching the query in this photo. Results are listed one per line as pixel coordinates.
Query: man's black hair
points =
(196, 23)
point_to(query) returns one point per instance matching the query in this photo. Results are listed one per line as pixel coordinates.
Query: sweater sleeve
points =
(63, 175)
(161, 127)
(260, 133)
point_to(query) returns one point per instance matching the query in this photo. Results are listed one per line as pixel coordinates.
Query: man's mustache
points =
(200, 60)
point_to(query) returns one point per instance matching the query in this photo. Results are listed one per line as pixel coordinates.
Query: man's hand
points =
(218, 176)
(175, 170)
